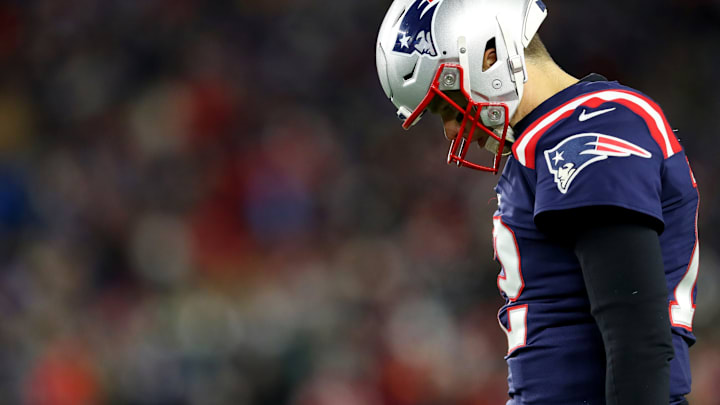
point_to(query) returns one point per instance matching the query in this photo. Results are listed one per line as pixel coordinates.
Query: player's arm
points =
(622, 266)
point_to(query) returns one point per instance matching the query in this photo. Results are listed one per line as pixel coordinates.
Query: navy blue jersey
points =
(594, 143)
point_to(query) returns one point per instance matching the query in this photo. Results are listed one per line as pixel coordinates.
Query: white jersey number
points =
(510, 282)
(682, 309)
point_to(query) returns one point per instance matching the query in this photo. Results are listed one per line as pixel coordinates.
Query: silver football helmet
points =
(428, 47)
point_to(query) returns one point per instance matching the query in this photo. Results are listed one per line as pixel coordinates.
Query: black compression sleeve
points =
(623, 272)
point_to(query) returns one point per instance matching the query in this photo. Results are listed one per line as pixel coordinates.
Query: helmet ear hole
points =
(490, 44)
(489, 62)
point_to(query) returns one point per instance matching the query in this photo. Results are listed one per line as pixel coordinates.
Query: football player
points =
(595, 229)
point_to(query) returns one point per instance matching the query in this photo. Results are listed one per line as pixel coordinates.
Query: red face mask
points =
(474, 115)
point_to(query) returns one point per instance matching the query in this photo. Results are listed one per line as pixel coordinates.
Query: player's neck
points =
(544, 81)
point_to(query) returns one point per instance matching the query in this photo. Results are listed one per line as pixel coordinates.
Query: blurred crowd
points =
(213, 203)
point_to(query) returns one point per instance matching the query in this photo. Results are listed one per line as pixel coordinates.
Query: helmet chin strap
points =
(492, 144)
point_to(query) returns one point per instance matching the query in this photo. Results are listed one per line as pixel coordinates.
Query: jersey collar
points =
(557, 99)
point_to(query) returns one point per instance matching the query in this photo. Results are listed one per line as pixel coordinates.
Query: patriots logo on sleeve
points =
(566, 160)
(415, 32)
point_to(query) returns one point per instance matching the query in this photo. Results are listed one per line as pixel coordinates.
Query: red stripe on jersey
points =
(654, 129)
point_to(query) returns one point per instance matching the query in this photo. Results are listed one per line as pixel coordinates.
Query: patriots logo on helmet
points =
(415, 32)
(569, 157)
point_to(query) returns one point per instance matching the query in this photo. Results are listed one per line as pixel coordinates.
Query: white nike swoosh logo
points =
(584, 116)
